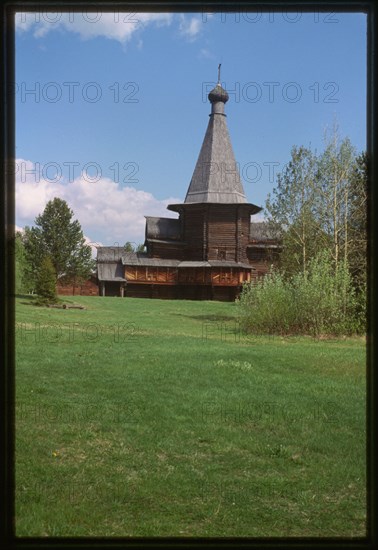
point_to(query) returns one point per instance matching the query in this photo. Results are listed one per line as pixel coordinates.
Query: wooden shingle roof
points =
(110, 272)
(260, 232)
(109, 253)
(216, 177)
(162, 228)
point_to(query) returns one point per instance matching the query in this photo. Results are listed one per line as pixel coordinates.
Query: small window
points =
(221, 254)
(257, 254)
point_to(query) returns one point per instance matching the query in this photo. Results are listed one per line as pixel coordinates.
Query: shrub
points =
(266, 305)
(321, 300)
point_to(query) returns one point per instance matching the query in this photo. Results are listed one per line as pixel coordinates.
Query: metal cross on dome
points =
(219, 68)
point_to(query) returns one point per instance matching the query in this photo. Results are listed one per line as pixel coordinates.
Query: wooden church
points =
(212, 248)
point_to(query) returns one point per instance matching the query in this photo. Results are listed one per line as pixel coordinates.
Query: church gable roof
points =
(261, 232)
(162, 228)
(110, 271)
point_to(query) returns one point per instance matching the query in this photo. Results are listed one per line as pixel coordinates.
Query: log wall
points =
(168, 251)
(87, 288)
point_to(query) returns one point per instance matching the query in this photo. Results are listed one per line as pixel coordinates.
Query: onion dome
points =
(218, 94)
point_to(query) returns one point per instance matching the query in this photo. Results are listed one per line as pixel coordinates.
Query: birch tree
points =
(336, 166)
(291, 211)
(357, 235)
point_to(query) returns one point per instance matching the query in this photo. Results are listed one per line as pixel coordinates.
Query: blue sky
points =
(119, 109)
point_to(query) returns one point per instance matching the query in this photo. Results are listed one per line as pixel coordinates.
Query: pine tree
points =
(46, 282)
(58, 236)
(22, 283)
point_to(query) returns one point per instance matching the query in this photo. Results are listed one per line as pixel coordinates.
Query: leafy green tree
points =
(22, 282)
(336, 166)
(128, 247)
(291, 260)
(291, 211)
(319, 203)
(46, 282)
(61, 238)
(319, 211)
(358, 221)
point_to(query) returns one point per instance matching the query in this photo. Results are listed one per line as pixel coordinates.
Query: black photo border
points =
(7, 270)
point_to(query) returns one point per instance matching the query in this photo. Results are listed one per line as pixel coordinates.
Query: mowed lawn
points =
(160, 418)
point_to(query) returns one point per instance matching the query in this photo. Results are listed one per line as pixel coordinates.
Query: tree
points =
(291, 211)
(320, 207)
(320, 204)
(128, 247)
(58, 236)
(33, 254)
(46, 281)
(358, 220)
(22, 282)
(292, 259)
(335, 171)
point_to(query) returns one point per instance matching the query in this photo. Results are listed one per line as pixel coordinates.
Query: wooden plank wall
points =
(87, 288)
(222, 234)
(168, 251)
(194, 232)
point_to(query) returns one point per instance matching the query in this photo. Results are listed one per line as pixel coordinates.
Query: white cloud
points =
(206, 54)
(104, 209)
(116, 26)
(190, 28)
(93, 246)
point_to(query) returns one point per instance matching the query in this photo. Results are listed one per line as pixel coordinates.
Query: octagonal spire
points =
(216, 176)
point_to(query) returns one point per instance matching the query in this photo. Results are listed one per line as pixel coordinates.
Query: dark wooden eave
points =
(252, 208)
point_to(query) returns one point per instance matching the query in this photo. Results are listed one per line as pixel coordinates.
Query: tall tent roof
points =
(216, 177)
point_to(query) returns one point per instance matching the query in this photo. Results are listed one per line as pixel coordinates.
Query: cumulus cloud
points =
(105, 210)
(116, 26)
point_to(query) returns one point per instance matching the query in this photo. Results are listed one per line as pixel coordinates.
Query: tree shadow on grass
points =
(209, 317)
(29, 299)
(32, 300)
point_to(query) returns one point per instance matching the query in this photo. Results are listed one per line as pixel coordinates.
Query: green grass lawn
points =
(159, 418)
